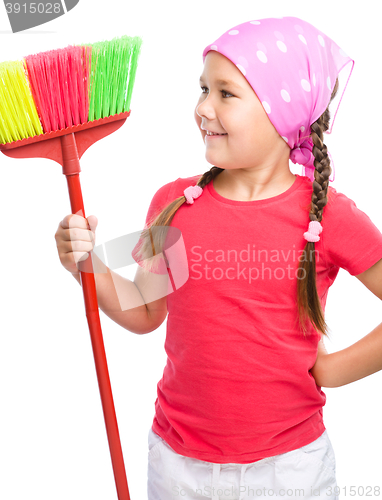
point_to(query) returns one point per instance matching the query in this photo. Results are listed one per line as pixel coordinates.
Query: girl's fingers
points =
(75, 228)
(93, 222)
(73, 220)
(80, 246)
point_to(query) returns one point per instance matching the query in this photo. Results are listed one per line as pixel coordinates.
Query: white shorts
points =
(306, 473)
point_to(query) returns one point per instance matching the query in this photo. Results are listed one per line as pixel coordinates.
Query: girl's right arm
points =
(74, 241)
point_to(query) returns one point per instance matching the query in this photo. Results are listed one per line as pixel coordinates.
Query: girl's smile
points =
(214, 136)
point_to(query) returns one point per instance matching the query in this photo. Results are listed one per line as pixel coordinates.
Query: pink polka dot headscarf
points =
(292, 67)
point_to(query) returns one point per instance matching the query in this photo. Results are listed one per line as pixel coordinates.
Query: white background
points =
(53, 442)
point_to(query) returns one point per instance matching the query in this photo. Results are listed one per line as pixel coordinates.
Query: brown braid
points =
(308, 301)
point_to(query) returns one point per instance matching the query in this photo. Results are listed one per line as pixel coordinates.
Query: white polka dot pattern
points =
(266, 107)
(302, 38)
(305, 85)
(262, 57)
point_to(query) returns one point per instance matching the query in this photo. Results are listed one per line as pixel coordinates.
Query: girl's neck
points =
(239, 188)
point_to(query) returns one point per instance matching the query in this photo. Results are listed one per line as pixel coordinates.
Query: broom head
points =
(84, 89)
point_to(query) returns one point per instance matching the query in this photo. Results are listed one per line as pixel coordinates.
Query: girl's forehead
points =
(216, 58)
(216, 63)
(222, 71)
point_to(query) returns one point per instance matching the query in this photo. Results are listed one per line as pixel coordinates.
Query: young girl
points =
(239, 412)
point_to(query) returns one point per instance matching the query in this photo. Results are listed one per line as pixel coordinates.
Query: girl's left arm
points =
(360, 359)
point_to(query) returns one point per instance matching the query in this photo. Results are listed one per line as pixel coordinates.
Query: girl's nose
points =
(205, 109)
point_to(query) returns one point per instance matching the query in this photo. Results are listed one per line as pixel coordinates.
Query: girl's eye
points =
(222, 91)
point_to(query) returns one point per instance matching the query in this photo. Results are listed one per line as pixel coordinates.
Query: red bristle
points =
(80, 90)
(51, 83)
(81, 84)
(40, 72)
(61, 79)
(48, 95)
(86, 59)
(60, 86)
(58, 100)
(73, 71)
(36, 74)
(81, 100)
(62, 68)
(32, 84)
(67, 72)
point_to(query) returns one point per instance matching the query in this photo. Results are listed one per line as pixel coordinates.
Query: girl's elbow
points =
(321, 374)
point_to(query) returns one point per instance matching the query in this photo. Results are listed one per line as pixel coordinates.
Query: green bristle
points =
(133, 70)
(112, 75)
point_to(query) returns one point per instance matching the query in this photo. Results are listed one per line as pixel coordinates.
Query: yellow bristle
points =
(18, 114)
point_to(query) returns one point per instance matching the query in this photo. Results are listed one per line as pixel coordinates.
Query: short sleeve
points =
(350, 239)
(159, 201)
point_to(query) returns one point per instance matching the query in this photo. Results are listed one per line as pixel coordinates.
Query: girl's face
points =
(228, 105)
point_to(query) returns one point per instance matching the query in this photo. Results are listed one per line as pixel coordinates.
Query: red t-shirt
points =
(237, 387)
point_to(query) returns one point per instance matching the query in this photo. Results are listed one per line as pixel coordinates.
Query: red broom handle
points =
(71, 168)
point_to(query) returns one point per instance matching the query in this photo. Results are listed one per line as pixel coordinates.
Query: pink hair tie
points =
(192, 192)
(314, 230)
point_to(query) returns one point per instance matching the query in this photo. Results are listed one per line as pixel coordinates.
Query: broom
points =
(55, 105)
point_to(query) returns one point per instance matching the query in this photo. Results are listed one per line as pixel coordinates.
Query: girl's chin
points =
(215, 160)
